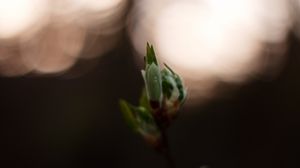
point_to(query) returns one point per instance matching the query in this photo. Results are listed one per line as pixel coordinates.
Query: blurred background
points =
(64, 64)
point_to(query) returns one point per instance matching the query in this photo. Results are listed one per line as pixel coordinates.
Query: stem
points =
(162, 122)
(166, 150)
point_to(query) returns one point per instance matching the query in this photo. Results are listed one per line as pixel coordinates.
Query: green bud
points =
(179, 84)
(173, 90)
(160, 100)
(140, 120)
(152, 78)
(153, 84)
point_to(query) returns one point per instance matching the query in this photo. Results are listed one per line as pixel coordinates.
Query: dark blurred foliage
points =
(60, 121)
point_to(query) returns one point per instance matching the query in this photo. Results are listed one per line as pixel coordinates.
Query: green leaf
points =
(144, 115)
(179, 84)
(146, 122)
(150, 56)
(170, 69)
(139, 119)
(154, 83)
(168, 83)
(128, 114)
(144, 102)
(182, 90)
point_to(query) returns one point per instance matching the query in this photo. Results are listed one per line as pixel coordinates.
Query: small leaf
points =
(179, 84)
(170, 69)
(146, 123)
(150, 56)
(128, 114)
(182, 90)
(167, 83)
(144, 102)
(143, 114)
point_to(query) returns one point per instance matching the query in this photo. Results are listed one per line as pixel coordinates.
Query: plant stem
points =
(162, 121)
(166, 149)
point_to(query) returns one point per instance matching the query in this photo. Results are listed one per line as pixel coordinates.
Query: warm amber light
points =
(51, 35)
(209, 41)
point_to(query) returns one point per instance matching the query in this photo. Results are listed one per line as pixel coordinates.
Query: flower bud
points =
(152, 78)
(173, 91)
(153, 85)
